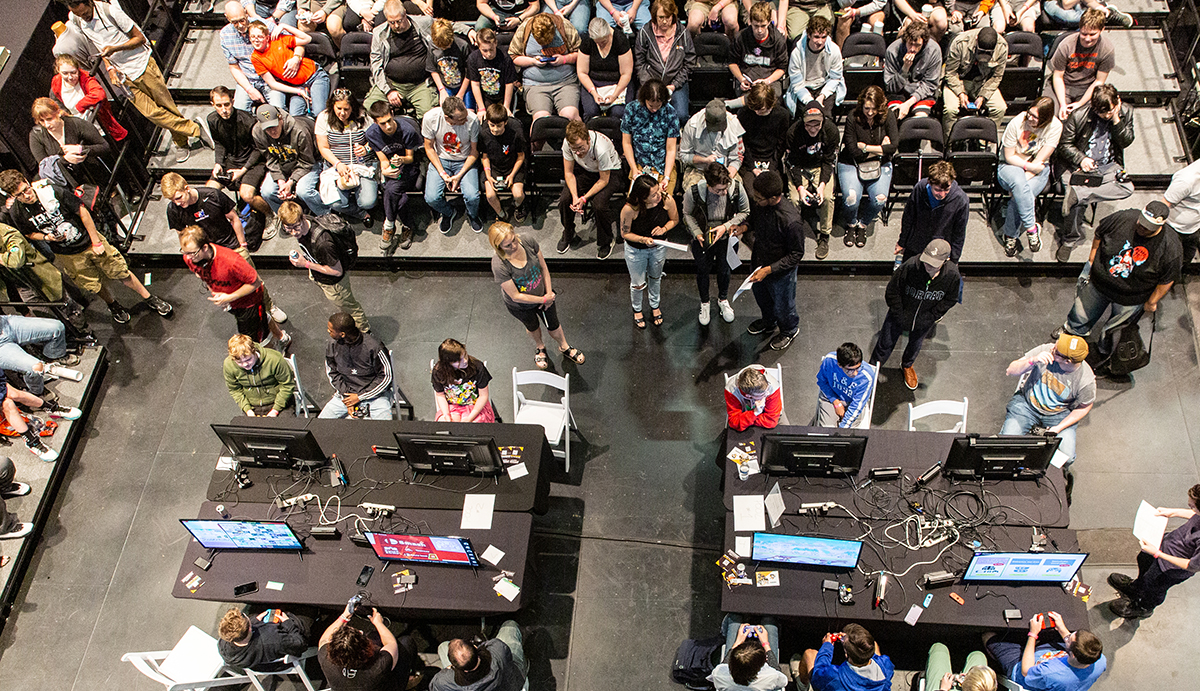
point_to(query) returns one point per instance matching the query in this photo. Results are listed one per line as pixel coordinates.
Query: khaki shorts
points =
(551, 98)
(89, 270)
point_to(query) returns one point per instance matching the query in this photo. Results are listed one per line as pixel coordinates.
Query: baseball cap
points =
(267, 115)
(986, 40)
(1154, 216)
(1072, 347)
(813, 114)
(936, 253)
(715, 115)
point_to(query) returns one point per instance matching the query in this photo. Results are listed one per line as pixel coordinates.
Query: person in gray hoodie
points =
(675, 69)
(912, 70)
(286, 145)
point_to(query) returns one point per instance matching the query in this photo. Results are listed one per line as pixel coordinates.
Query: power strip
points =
(300, 499)
(382, 510)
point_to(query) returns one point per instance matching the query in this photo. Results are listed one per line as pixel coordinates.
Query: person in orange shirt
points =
(753, 397)
(306, 83)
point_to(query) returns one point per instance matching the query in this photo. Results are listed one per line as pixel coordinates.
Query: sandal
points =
(658, 317)
(540, 359)
(573, 354)
(639, 320)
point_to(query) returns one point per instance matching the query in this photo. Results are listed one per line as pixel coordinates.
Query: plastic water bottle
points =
(743, 471)
(927, 10)
(879, 28)
(625, 25)
(898, 262)
(866, 28)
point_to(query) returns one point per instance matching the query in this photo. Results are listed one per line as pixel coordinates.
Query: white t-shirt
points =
(103, 32)
(1184, 197)
(602, 155)
(451, 143)
(72, 95)
(1029, 143)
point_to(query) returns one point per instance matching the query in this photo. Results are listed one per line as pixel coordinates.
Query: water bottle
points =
(866, 28)
(927, 10)
(879, 28)
(743, 471)
(898, 262)
(625, 25)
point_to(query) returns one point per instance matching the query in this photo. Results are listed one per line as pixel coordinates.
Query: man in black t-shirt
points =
(491, 73)
(356, 661)
(399, 50)
(324, 258)
(504, 149)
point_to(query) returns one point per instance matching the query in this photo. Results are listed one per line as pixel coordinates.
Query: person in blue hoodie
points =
(845, 388)
(865, 669)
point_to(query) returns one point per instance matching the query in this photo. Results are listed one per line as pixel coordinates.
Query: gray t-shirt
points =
(1080, 65)
(1184, 197)
(451, 142)
(814, 76)
(528, 278)
(1051, 390)
(504, 674)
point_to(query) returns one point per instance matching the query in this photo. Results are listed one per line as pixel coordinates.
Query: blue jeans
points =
(305, 189)
(318, 90)
(241, 100)
(1068, 18)
(264, 10)
(1020, 417)
(1024, 191)
(18, 331)
(776, 298)
(732, 622)
(356, 201)
(854, 191)
(435, 189)
(1090, 306)
(579, 17)
(510, 635)
(645, 273)
(380, 408)
(679, 99)
(639, 20)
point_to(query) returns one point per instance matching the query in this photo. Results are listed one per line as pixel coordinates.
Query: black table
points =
(380, 481)
(324, 575)
(1015, 503)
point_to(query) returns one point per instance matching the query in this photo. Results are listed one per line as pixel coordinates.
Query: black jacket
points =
(919, 300)
(268, 642)
(1077, 131)
(778, 236)
(807, 152)
(362, 368)
(921, 223)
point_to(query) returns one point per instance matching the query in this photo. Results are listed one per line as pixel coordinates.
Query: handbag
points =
(1131, 353)
(870, 170)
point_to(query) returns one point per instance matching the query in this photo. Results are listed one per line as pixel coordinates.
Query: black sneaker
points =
(603, 251)
(1034, 237)
(1010, 247)
(782, 341)
(15, 489)
(68, 360)
(1056, 333)
(475, 223)
(1120, 18)
(520, 214)
(564, 244)
(759, 326)
(444, 224)
(1121, 583)
(158, 305)
(822, 246)
(367, 221)
(118, 312)
(1063, 253)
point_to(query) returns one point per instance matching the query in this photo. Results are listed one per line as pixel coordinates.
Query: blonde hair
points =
(234, 625)
(442, 33)
(289, 213)
(979, 678)
(542, 28)
(43, 107)
(498, 233)
(241, 346)
(194, 235)
(172, 184)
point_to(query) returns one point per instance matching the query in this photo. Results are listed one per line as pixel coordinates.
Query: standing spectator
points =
(447, 62)
(605, 71)
(647, 214)
(664, 51)
(1029, 142)
(778, 232)
(328, 255)
(713, 14)
(546, 48)
(503, 151)
(286, 146)
(937, 209)
(77, 142)
(238, 163)
(650, 135)
(504, 15)
(710, 136)
(491, 73)
(258, 643)
(912, 71)
(308, 89)
(460, 385)
(753, 398)
(865, 164)
(353, 660)
(1073, 663)
(919, 293)
(1183, 198)
(259, 380)
(251, 89)
(974, 68)
(395, 143)
(938, 21)
(865, 668)
(752, 660)
(812, 146)
(399, 52)
(629, 15)
(19, 334)
(525, 285)
(714, 209)
(498, 664)
(759, 53)
(451, 134)
(1171, 563)
(360, 372)
(53, 215)
(1057, 389)
(591, 171)
(129, 62)
(341, 135)
(1081, 63)
(82, 93)
(976, 675)
(868, 13)
(764, 133)
(815, 70)
(1068, 13)
(844, 388)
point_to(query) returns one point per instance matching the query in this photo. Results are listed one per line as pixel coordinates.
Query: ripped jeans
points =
(645, 273)
(857, 209)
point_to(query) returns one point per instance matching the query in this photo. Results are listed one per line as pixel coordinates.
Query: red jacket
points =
(741, 412)
(93, 95)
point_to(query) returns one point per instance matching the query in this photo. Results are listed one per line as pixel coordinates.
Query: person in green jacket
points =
(260, 380)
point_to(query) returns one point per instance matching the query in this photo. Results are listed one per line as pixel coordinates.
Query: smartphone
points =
(364, 577)
(245, 589)
(545, 58)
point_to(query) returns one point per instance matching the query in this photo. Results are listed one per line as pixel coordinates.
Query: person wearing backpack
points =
(328, 250)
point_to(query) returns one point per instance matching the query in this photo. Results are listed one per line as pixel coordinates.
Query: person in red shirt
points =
(80, 91)
(305, 82)
(234, 284)
(753, 397)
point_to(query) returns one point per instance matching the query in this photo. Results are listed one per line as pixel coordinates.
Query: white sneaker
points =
(272, 228)
(64, 372)
(285, 342)
(15, 489)
(182, 154)
(704, 313)
(278, 315)
(42, 451)
(18, 530)
(726, 310)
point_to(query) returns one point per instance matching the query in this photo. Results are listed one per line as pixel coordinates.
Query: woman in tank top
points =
(647, 214)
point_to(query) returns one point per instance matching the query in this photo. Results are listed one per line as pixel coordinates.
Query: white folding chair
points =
(778, 372)
(1011, 685)
(555, 417)
(305, 405)
(296, 668)
(864, 419)
(194, 663)
(955, 408)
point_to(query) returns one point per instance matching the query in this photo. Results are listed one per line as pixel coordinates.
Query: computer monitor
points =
(814, 455)
(1024, 567)
(1000, 458)
(272, 448)
(805, 550)
(242, 535)
(457, 454)
(428, 549)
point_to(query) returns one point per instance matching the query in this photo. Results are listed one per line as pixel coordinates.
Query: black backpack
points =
(1131, 352)
(343, 238)
(694, 662)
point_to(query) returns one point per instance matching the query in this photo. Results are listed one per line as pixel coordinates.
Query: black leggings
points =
(529, 316)
(706, 261)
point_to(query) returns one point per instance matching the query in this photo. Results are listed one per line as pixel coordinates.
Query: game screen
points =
(213, 534)
(801, 549)
(1023, 566)
(424, 548)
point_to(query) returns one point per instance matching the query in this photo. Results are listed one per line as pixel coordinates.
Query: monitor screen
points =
(454, 454)
(272, 447)
(811, 455)
(430, 549)
(1000, 458)
(224, 534)
(1025, 567)
(802, 549)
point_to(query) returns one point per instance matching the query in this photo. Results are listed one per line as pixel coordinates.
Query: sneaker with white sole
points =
(160, 305)
(15, 489)
(119, 315)
(182, 154)
(1010, 246)
(205, 137)
(705, 309)
(68, 360)
(63, 372)
(61, 412)
(1034, 237)
(278, 315)
(39, 449)
(272, 228)
(726, 310)
(18, 530)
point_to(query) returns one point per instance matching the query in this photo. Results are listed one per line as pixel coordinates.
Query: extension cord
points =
(381, 509)
(299, 499)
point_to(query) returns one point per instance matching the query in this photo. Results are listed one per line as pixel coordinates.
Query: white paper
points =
(914, 613)
(517, 471)
(748, 513)
(606, 91)
(507, 588)
(742, 288)
(1148, 527)
(731, 255)
(670, 245)
(742, 544)
(225, 463)
(1059, 459)
(477, 511)
(274, 585)
(751, 466)
(492, 555)
(774, 505)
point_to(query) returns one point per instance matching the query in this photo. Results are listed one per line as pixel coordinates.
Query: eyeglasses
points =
(341, 94)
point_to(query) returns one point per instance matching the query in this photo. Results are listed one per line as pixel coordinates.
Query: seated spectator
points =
(812, 152)
(1028, 143)
(77, 143)
(546, 48)
(355, 15)
(341, 136)
(974, 68)
(605, 71)
(1056, 390)
(447, 62)
(1081, 63)
(238, 164)
(647, 214)
(360, 371)
(395, 142)
(865, 163)
(844, 392)
(664, 51)
(629, 15)
(912, 71)
(976, 675)
(864, 12)
(865, 668)
(399, 53)
(778, 232)
(578, 12)
(714, 209)
(82, 93)
(1183, 198)
(937, 209)
(591, 171)
(286, 147)
(1025, 15)
(460, 385)
(713, 14)
(328, 254)
(308, 88)
(793, 17)
(497, 664)
(977, 14)
(353, 660)
(1094, 138)
(491, 73)
(250, 90)
(1072, 663)
(937, 23)
(815, 70)
(1068, 13)
(758, 53)
(753, 398)
(259, 380)
(764, 123)
(38, 279)
(256, 643)
(17, 336)
(752, 660)
(504, 15)
(650, 135)
(29, 426)
(281, 12)
(710, 136)
(312, 17)
(503, 152)
(451, 134)
(55, 216)
(10, 527)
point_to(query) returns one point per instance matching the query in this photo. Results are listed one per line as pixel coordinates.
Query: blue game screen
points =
(802, 549)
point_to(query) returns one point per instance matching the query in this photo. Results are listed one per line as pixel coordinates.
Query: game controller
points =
(1045, 619)
(836, 637)
(750, 631)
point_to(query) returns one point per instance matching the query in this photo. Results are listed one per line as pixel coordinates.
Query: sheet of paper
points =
(1147, 526)
(517, 471)
(745, 286)
(606, 91)
(914, 613)
(671, 245)
(492, 555)
(742, 544)
(731, 255)
(1059, 459)
(748, 513)
(508, 589)
(477, 511)
(774, 504)
(225, 463)
(274, 585)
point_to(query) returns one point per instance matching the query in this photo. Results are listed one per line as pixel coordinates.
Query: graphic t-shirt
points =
(1080, 65)
(466, 391)
(1128, 267)
(209, 212)
(759, 60)
(450, 63)
(493, 75)
(502, 150)
(528, 279)
(1050, 389)
(450, 142)
(62, 226)
(1028, 143)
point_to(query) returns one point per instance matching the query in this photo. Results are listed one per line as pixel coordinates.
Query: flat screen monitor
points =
(428, 549)
(227, 534)
(1024, 567)
(272, 448)
(444, 453)
(813, 455)
(1000, 458)
(802, 549)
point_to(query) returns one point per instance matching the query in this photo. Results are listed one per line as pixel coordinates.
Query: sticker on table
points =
(507, 589)
(766, 579)
(274, 585)
(492, 555)
(517, 471)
